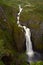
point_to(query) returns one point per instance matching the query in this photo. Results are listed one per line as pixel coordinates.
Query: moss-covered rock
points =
(9, 31)
(12, 39)
(33, 20)
(19, 38)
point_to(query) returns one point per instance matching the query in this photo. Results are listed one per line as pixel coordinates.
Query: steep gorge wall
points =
(13, 36)
(34, 22)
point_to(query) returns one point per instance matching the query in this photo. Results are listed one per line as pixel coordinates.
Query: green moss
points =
(1, 63)
(37, 63)
(6, 29)
(9, 31)
(35, 26)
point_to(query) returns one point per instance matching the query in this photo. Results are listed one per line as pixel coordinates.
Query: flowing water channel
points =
(31, 55)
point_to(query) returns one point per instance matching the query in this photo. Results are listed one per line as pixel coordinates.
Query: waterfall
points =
(29, 50)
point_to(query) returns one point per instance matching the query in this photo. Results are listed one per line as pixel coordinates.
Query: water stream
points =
(29, 50)
(31, 55)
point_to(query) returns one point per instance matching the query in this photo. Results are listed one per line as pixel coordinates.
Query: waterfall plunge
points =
(29, 50)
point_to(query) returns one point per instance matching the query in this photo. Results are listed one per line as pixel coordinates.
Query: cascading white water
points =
(29, 50)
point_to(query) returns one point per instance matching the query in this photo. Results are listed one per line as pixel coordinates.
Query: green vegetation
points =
(37, 63)
(1, 63)
(11, 36)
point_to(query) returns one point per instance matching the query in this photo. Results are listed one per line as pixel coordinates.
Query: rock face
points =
(37, 35)
(12, 38)
(19, 39)
(12, 35)
(36, 27)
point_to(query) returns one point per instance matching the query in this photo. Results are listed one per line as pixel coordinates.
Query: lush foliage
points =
(10, 32)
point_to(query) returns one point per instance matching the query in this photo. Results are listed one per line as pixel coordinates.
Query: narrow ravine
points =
(29, 50)
(32, 56)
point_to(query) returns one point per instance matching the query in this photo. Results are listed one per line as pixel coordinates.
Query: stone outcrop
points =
(12, 35)
(36, 27)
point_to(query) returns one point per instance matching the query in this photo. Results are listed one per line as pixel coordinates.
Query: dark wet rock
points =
(14, 34)
(19, 38)
(36, 27)
(7, 59)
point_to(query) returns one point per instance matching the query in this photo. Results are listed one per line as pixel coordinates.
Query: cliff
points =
(12, 39)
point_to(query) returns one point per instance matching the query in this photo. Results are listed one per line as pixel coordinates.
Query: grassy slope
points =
(37, 10)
